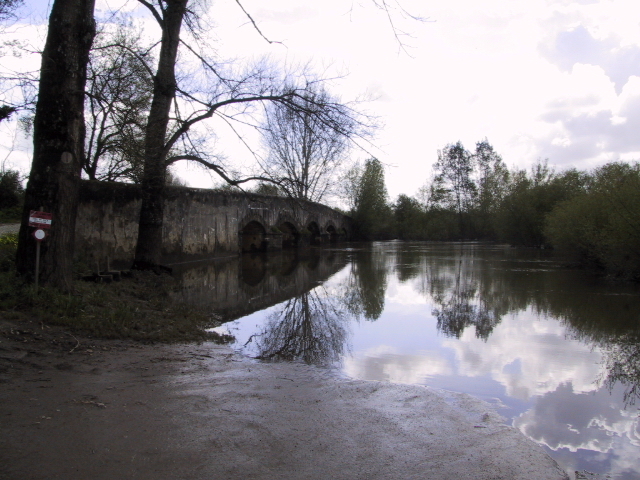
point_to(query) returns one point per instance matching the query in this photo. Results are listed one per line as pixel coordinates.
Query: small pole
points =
(38, 257)
(37, 263)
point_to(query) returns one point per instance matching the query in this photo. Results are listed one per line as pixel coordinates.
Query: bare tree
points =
(307, 143)
(119, 88)
(58, 140)
(225, 92)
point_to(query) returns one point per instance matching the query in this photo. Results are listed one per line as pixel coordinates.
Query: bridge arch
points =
(290, 235)
(253, 234)
(332, 232)
(314, 232)
(290, 230)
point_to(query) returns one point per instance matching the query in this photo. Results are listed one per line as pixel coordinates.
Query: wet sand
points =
(72, 408)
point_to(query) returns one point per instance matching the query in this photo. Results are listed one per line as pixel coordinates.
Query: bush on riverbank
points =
(593, 216)
(602, 226)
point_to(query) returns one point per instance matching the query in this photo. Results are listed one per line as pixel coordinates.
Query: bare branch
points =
(390, 11)
(255, 25)
(219, 170)
(153, 11)
(187, 124)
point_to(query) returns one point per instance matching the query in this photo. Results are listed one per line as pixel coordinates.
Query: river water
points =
(554, 349)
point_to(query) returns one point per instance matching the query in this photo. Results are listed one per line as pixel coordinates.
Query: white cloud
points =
(593, 421)
(529, 356)
(385, 363)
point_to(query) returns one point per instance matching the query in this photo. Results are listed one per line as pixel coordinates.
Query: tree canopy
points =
(307, 143)
(149, 107)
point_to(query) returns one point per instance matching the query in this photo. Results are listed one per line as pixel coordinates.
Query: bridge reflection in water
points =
(237, 286)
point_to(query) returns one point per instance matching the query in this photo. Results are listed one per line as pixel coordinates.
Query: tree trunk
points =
(58, 138)
(149, 244)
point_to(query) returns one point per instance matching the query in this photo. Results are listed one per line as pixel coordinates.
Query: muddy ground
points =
(73, 408)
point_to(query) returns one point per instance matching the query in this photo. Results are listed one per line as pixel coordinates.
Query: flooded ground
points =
(556, 350)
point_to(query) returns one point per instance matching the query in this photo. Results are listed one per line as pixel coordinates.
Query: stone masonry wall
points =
(198, 223)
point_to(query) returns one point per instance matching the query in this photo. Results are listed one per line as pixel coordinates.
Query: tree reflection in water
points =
(364, 290)
(469, 289)
(466, 286)
(457, 292)
(622, 360)
(310, 327)
(606, 316)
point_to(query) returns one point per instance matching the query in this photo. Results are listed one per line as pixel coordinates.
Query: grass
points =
(8, 245)
(140, 307)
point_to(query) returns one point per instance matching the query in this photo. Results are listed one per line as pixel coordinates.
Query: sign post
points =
(40, 220)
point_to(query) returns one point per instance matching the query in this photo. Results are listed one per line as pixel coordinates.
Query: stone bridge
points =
(200, 223)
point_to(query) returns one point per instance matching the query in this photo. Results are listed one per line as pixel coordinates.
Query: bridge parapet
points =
(200, 223)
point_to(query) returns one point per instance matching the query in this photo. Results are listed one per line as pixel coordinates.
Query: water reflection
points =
(559, 350)
(310, 327)
(234, 287)
(364, 290)
(623, 366)
(458, 300)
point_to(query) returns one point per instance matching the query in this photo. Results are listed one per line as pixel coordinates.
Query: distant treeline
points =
(595, 216)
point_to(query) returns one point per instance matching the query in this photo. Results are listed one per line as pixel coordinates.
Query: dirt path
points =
(72, 409)
(9, 228)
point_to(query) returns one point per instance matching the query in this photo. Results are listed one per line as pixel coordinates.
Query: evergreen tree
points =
(372, 213)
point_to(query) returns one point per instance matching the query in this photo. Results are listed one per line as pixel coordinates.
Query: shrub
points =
(602, 226)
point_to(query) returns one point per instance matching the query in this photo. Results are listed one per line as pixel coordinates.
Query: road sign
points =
(39, 234)
(40, 219)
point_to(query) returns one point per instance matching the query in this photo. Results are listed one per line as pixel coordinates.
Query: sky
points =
(542, 79)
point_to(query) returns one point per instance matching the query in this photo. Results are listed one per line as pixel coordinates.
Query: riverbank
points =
(76, 408)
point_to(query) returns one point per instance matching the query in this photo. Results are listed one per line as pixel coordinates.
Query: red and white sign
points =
(40, 219)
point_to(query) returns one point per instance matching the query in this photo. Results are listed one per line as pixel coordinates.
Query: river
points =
(556, 350)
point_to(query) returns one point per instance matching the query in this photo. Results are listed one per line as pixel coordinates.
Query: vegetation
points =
(595, 216)
(601, 224)
(118, 98)
(8, 244)
(7, 8)
(140, 307)
(307, 143)
(58, 140)
(11, 196)
(371, 211)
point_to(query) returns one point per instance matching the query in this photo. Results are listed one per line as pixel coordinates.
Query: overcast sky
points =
(539, 79)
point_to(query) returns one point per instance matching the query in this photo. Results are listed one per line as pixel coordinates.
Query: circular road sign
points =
(39, 234)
